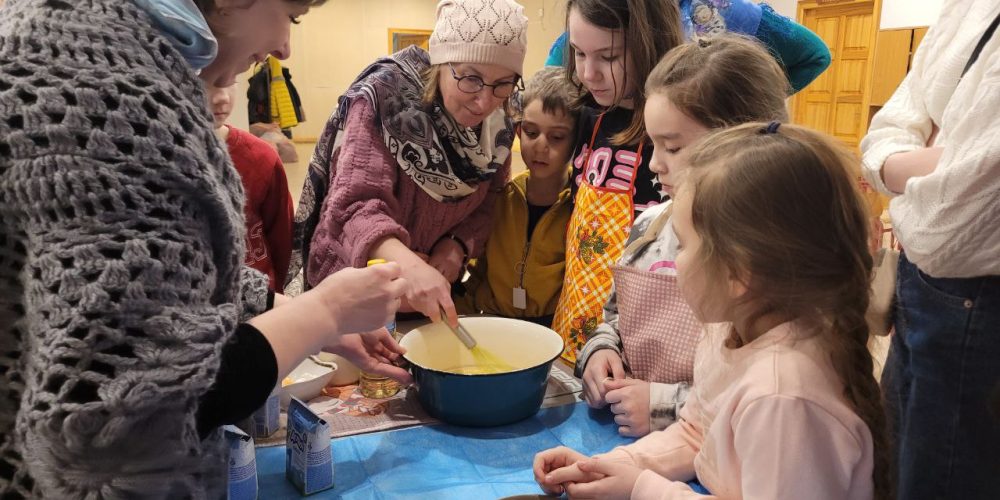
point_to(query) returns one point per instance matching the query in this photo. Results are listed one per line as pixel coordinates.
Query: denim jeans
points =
(940, 384)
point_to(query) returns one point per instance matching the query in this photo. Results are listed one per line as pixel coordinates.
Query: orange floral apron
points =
(601, 221)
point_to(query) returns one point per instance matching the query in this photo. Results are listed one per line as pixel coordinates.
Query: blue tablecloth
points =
(444, 462)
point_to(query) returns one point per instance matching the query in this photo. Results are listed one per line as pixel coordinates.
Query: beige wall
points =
(786, 8)
(336, 41)
(907, 14)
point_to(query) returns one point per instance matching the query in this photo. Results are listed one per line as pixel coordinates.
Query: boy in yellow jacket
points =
(521, 272)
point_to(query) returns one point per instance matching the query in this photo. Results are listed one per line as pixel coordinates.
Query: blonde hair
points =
(723, 82)
(650, 28)
(783, 209)
(432, 89)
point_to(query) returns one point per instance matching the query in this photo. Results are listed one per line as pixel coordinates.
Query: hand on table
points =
(602, 364)
(555, 467)
(629, 399)
(616, 480)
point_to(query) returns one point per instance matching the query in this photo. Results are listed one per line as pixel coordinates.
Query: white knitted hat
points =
(481, 32)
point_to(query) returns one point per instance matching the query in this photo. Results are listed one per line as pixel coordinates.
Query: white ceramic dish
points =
(346, 372)
(310, 379)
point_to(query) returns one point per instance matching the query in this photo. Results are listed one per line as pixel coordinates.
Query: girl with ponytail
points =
(773, 256)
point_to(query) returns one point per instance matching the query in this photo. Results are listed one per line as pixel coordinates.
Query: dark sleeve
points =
(803, 54)
(247, 374)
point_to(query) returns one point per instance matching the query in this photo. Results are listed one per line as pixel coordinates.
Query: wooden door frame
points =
(422, 33)
(804, 5)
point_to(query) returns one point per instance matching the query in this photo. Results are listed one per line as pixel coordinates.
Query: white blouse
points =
(948, 222)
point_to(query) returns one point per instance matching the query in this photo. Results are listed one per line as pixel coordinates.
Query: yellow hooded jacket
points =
(512, 261)
(282, 108)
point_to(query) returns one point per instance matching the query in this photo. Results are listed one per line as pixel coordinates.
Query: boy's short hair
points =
(553, 89)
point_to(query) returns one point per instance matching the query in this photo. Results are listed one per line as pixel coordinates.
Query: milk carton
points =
(242, 464)
(264, 421)
(309, 459)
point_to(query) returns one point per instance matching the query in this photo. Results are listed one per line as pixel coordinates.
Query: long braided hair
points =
(780, 204)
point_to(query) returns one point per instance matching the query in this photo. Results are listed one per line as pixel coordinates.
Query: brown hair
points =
(208, 6)
(556, 94)
(650, 28)
(723, 82)
(783, 209)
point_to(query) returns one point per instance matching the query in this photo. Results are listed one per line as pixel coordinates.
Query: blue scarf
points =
(181, 22)
(705, 18)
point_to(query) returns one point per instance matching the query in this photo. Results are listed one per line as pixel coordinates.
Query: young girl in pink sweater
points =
(773, 253)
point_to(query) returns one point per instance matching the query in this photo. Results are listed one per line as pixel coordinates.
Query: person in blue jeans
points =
(936, 147)
(802, 53)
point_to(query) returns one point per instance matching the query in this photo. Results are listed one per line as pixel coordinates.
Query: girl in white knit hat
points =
(408, 167)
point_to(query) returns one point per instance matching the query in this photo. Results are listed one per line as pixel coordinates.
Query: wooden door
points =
(892, 58)
(837, 101)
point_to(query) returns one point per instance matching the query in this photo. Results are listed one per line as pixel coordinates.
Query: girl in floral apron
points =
(611, 53)
(649, 333)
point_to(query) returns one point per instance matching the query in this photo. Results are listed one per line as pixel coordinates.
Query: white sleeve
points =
(902, 125)
(951, 214)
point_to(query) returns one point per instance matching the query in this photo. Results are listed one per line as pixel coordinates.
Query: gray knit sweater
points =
(120, 257)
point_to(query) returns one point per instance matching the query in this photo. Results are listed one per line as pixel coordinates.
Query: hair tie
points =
(771, 128)
(704, 42)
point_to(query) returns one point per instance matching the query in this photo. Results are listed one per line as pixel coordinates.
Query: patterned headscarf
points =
(444, 158)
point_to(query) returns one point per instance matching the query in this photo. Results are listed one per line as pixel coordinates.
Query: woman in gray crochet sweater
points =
(129, 330)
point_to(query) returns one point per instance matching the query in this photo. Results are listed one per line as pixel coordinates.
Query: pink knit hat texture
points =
(480, 32)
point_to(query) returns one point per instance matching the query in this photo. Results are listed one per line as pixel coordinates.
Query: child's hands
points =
(629, 399)
(617, 479)
(602, 364)
(556, 466)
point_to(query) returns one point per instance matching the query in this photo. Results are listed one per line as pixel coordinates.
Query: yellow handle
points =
(374, 262)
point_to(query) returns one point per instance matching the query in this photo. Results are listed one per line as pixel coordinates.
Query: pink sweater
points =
(765, 421)
(370, 199)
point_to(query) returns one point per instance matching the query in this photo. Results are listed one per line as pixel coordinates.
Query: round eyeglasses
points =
(472, 84)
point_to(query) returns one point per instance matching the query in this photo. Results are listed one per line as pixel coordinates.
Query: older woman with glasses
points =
(408, 167)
